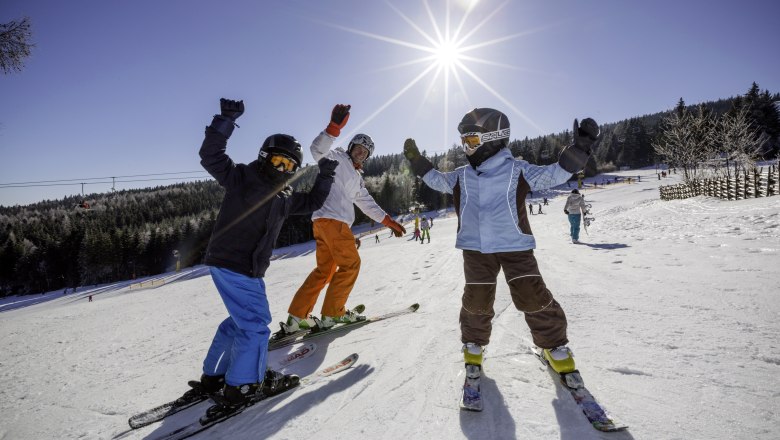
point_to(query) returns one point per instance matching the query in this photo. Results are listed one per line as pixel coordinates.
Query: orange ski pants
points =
(338, 263)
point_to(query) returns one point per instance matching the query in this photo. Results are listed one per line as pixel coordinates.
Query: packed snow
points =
(673, 319)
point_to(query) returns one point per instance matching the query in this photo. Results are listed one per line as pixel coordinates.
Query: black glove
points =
(225, 122)
(327, 167)
(574, 157)
(420, 164)
(231, 109)
(338, 119)
(565, 211)
(586, 134)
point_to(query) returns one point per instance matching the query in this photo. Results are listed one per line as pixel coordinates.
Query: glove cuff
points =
(333, 129)
(223, 125)
(387, 221)
(573, 159)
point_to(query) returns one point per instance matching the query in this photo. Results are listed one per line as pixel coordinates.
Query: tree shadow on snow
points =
(606, 246)
(495, 420)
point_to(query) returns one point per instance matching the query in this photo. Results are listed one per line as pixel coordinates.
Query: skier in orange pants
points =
(338, 262)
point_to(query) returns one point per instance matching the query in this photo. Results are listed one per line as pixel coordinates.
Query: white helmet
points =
(364, 140)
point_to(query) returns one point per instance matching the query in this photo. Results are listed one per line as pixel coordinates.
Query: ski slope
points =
(673, 318)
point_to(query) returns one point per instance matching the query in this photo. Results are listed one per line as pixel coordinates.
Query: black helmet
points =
(284, 145)
(491, 131)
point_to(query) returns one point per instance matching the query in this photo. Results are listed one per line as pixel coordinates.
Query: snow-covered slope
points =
(673, 317)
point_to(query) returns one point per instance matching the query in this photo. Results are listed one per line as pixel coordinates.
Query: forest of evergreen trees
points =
(127, 234)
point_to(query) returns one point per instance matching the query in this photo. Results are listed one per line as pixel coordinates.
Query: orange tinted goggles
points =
(287, 165)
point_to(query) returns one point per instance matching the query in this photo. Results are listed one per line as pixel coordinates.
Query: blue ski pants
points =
(240, 347)
(574, 221)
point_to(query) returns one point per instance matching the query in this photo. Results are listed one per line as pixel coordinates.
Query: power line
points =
(99, 178)
(108, 182)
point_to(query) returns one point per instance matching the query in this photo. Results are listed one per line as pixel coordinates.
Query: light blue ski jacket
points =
(490, 201)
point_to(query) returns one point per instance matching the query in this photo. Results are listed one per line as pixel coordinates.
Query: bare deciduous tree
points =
(740, 142)
(15, 44)
(685, 141)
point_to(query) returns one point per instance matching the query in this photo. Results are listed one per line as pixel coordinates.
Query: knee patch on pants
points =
(530, 294)
(478, 299)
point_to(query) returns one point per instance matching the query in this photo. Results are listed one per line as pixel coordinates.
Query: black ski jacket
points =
(253, 210)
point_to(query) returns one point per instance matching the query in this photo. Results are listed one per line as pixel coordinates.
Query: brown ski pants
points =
(543, 314)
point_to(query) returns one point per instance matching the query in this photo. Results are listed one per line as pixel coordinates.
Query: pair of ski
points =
(597, 415)
(207, 422)
(305, 335)
(190, 399)
(168, 409)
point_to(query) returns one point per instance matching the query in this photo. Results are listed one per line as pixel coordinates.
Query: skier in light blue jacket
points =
(494, 232)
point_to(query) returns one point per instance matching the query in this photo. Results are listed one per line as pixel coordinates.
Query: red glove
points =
(338, 119)
(398, 229)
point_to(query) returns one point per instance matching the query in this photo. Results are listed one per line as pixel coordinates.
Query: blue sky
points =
(126, 88)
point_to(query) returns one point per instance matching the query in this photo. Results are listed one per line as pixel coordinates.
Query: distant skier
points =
(531, 208)
(376, 238)
(495, 234)
(425, 230)
(575, 206)
(338, 264)
(256, 202)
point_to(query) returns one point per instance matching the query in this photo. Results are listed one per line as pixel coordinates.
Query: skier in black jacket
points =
(257, 200)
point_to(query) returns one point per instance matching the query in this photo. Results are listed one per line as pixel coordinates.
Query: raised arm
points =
(212, 152)
(574, 157)
(422, 167)
(338, 119)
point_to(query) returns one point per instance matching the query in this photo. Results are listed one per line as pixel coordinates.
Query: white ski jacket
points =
(574, 203)
(348, 187)
(490, 201)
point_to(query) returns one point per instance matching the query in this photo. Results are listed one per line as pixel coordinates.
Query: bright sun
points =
(445, 54)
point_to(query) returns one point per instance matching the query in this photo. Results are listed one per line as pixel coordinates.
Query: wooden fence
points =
(748, 185)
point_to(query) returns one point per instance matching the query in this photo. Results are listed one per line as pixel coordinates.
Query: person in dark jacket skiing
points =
(495, 234)
(256, 202)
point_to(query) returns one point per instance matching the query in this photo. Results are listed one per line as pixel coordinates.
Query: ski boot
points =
(472, 395)
(560, 358)
(350, 317)
(276, 382)
(207, 386)
(293, 325)
(232, 399)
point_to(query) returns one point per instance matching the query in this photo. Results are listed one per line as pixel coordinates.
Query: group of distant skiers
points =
(422, 229)
(493, 233)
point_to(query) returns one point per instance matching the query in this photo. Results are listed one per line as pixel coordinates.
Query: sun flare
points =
(447, 54)
(447, 51)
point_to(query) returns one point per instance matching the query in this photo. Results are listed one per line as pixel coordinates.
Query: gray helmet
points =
(364, 140)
